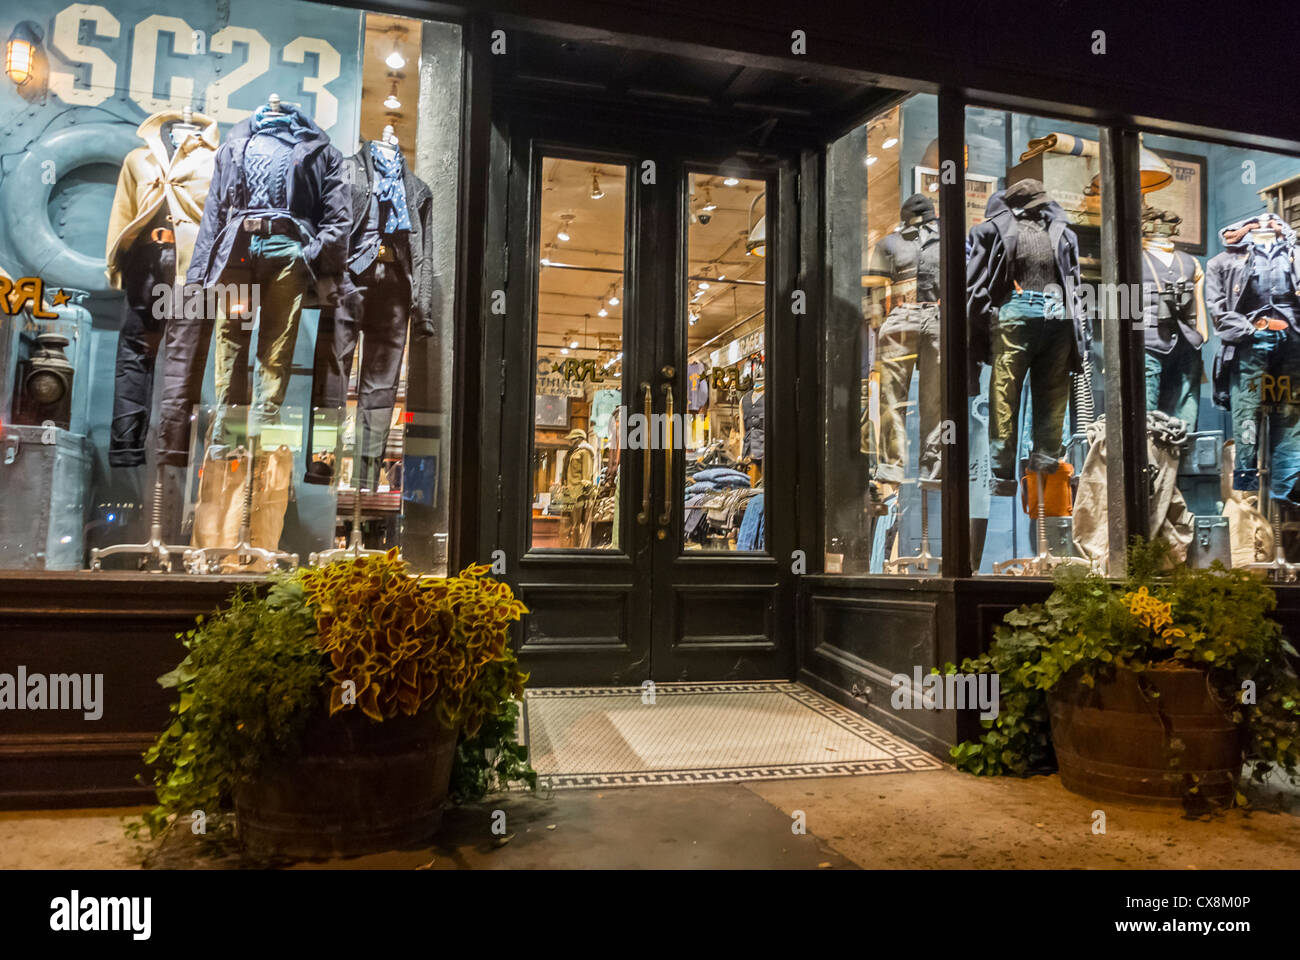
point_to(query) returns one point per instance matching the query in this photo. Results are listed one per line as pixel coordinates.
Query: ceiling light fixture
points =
(613, 301)
(596, 192)
(703, 285)
(392, 103)
(891, 142)
(602, 312)
(563, 236)
(564, 350)
(871, 158)
(395, 60)
(573, 344)
(730, 182)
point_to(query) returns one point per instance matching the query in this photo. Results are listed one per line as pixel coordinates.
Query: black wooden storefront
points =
(842, 635)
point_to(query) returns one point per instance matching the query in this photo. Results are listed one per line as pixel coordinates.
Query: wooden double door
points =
(645, 504)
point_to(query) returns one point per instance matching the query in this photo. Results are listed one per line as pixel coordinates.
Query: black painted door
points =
(646, 498)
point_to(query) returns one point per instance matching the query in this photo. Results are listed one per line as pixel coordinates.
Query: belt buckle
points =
(255, 225)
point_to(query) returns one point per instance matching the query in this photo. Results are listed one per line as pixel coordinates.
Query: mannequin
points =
(276, 220)
(752, 417)
(161, 193)
(1173, 314)
(1251, 292)
(905, 268)
(1022, 278)
(577, 477)
(388, 287)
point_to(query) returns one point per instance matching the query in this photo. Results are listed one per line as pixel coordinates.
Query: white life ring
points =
(25, 197)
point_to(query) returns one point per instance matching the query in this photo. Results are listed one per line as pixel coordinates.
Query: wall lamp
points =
(20, 52)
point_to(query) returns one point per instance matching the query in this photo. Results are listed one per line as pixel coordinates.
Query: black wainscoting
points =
(121, 625)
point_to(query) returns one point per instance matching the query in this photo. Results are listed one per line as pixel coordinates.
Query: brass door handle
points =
(670, 441)
(644, 516)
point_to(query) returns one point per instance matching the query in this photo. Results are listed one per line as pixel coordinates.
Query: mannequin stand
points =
(924, 561)
(155, 550)
(356, 544)
(1278, 569)
(208, 559)
(1045, 562)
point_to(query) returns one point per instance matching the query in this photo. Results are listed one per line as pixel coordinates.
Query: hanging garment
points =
(1169, 519)
(162, 178)
(219, 512)
(751, 411)
(909, 341)
(753, 527)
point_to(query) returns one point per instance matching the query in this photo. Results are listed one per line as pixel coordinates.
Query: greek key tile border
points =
(903, 757)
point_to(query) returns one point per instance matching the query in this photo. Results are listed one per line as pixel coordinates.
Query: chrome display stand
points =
(1278, 569)
(356, 546)
(208, 559)
(924, 561)
(155, 550)
(356, 543)
(1045, 562)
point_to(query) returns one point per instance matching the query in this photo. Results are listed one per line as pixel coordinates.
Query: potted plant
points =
(1152, 688)
(327, 708)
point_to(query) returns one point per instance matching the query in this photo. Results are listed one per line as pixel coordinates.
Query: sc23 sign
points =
(95, 76)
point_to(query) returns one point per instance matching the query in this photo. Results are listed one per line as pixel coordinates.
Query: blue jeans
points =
(1174, 382)
(1261, 385)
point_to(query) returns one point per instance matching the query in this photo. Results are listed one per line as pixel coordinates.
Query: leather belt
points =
(269, 226)
(162, 235)
(1270, 323)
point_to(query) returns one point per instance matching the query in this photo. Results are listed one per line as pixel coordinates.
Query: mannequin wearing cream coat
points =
(150, 178)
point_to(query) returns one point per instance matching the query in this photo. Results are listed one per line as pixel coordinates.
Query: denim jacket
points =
(991, 252)
(1227, 278)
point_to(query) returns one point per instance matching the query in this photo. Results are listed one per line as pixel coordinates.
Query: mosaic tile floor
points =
(703, 733)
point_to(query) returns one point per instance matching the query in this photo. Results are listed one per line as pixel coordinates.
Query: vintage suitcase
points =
(1210, 542)
(44, 482)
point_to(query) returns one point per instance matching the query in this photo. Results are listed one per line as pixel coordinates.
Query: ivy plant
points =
(1160, 614)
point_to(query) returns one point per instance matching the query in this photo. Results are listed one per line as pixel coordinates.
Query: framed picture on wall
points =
(1187, 196)
(978, 190)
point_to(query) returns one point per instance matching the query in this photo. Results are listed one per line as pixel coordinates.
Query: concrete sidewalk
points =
(931, 820)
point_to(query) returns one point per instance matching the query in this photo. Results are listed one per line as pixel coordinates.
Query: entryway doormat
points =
(703, 733)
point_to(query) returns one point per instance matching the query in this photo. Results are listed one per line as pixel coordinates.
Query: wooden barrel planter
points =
(356, 787)
(1110, 739)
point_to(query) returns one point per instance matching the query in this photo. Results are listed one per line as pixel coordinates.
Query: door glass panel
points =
(722, 427)
(579, 356)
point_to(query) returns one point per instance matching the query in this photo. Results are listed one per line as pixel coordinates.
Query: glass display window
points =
(228, 249)
(884, 424)
(1219, 314)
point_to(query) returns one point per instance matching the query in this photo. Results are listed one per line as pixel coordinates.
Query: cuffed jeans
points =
(909, 341)
(276, 269)
(1032, 337)
(1274, 354)
(149, 264)
(380, 311)
(1174, 382)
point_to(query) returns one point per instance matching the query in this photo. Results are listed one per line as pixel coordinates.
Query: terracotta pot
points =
(1110, 740)
(357, 787)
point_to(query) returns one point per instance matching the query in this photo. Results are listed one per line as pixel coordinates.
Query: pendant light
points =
(756, 243)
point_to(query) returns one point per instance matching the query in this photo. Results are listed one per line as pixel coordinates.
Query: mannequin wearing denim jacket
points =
(1257, 301)
(1022, 280)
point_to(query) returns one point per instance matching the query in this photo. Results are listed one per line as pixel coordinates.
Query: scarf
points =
(390, 188)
